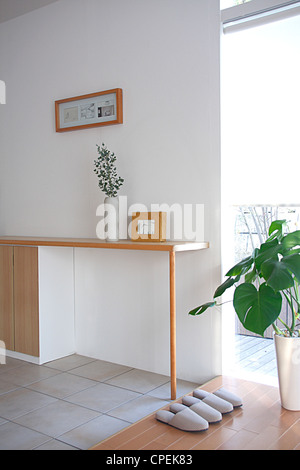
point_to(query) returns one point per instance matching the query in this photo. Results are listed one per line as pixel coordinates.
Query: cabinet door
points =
(26, 300)
(6, 297)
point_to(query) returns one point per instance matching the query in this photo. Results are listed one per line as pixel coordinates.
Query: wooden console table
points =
(171, 247)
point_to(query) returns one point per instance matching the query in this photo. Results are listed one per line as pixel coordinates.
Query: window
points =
(261, 102)
(260, 149)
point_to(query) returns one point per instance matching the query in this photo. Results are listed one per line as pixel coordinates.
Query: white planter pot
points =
(111, 214)
(288, 366)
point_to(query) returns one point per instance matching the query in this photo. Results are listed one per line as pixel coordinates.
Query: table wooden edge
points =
(172, 246)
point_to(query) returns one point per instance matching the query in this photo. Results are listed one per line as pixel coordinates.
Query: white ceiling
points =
(12, 8)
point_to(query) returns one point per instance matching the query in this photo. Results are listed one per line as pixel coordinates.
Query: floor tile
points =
(89, 434)
(139, 380)
(100, 370)
(75, 402)
(16, 437)
(102, 397)
(11, 363)
(62, 385)
(164, 391)
(6, 386)
(27, 374)
(57, 418)
(54, 444)
(70, 362)
(137, 409)
(21, 401)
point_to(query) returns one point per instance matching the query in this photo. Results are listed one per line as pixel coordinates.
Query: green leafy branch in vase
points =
(106, 171)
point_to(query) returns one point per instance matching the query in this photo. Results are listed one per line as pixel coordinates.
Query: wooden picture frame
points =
(104, 108)
(149, 226)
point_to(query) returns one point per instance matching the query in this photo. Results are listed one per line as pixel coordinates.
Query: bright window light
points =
(260, 114)
(231, 3)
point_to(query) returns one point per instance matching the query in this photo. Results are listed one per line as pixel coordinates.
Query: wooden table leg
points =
(173, 325)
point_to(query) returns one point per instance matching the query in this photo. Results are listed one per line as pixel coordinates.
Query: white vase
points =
(111, 214)
(288, 366)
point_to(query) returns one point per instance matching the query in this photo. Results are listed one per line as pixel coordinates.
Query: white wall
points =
(165, 56)
(12, 8)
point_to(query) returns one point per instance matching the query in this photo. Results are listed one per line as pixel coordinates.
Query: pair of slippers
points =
(196, 412)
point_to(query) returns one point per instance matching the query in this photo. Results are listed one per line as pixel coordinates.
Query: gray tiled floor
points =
(75, 402)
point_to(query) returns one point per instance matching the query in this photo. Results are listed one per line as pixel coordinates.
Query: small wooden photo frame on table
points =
(149, 226)
(96, 109)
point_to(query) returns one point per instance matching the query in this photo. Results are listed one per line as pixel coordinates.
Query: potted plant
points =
(262, 281)
(109, 182)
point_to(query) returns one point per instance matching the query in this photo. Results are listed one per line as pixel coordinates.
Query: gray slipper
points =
(212, 400)
(229, 396)
(183, 419)
(202, 409)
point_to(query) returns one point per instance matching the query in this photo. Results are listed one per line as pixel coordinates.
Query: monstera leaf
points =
(280, 274)
(291, 240)
(241, 267)
(256, 309)
(276, 229)
(268, 250)
(277, 275)
(230, 281)
(202, 308)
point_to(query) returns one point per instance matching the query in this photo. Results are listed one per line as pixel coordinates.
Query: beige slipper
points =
(202, 409)
(215, 402)
(229, 396)
(183, 419)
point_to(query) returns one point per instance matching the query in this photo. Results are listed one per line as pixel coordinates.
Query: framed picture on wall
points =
(96, 109)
